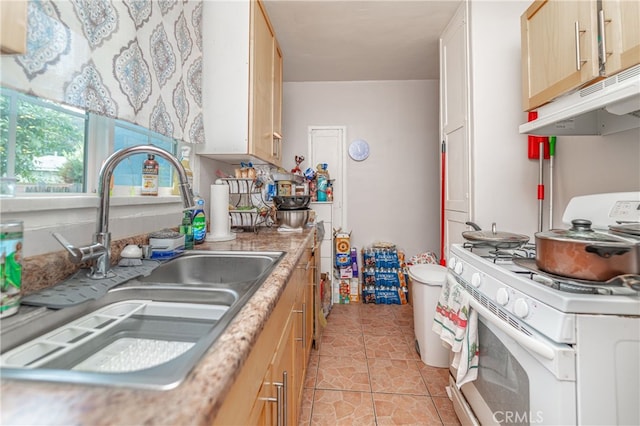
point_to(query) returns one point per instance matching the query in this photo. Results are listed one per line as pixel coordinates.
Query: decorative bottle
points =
(150, 170)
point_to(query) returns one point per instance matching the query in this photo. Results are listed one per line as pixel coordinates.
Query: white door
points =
(454, 127)
(453, 112)
(327, 145)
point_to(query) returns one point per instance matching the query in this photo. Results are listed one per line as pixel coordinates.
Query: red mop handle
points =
(443, 261)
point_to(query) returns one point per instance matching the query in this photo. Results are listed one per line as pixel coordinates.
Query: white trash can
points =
(428, 280)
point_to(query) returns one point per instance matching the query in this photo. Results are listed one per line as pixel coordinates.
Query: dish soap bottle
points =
(184, 159)
(150, 170)
(186, 229)
(199, 221)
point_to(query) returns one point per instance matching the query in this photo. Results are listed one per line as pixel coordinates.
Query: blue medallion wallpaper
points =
(136, 60)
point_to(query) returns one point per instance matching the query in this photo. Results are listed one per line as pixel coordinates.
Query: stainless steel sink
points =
(220, 267)
(147, 333)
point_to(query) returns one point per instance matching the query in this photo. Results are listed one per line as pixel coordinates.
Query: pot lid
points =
(494, 236)
(627, 228)
(581, 231)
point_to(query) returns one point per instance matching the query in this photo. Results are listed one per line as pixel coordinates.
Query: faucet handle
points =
(80, 254)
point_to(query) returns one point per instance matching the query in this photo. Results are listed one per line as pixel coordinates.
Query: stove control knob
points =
(476, 279)
(502, 296)
(458, 268)
(520, 308)
(452, 262)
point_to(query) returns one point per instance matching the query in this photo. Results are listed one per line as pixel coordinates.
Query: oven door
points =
(523, 378)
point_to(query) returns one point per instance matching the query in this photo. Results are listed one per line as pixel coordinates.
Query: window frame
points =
(74, 214)
(98, 145)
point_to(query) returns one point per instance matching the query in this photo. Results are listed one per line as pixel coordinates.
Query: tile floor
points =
(367, 372)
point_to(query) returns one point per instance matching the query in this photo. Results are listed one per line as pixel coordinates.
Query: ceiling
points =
(335, 40)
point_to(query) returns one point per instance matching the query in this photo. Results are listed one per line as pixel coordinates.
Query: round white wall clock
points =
(359, 150)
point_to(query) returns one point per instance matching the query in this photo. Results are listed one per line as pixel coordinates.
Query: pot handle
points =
(632, 281)
(607, 252)
(473, 225)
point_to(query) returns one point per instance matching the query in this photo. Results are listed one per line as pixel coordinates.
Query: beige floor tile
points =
(349, 310)
(396, 376)
(437, 379)
(405, 322)
(380, 326)
(305, 410)
(367, 372)
(389, 347)
(404, 311)
(343, 327)
(343, 314)
(445, 410)
(343, 373)
(370, 310)
(312, 372)
(331, 407)
(342, 345)
(394, 409)
(409, 334)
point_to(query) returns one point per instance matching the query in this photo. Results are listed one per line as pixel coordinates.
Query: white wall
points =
(504, 179)
(594, 164)
(393, 195)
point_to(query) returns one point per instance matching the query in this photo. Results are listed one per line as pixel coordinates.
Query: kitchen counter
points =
(198, 399)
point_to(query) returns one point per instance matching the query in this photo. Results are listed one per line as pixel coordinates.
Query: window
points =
(47, 147)
(129, 172)
(43, 144)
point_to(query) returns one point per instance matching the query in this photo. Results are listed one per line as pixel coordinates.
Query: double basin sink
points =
(148, 332)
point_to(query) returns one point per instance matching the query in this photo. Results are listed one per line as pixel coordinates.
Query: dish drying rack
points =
(250, 209)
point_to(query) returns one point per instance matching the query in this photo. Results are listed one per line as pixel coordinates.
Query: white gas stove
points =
(556, 351)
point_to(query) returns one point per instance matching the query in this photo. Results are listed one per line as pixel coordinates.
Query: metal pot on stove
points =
(582, 253)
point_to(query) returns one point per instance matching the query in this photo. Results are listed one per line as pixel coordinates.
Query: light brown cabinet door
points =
(309, 308)
(13, 26)
(282, 379)
(261, 91)
(276, 149)
(620, 46)
(559, 49)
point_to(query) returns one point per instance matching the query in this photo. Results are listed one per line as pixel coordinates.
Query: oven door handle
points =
(528, 342)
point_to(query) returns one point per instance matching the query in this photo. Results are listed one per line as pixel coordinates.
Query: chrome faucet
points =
(100, 249)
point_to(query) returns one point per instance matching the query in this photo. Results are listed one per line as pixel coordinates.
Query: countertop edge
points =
(198, 399)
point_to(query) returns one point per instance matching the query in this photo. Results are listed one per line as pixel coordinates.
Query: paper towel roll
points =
(220, 224)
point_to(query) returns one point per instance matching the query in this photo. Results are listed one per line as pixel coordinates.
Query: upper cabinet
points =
(242, 83)
(277, 101)
(567, 44)
(620, 45)
(13, 26)
(559, 49)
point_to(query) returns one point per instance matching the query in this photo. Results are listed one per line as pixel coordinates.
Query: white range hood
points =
(605, 107)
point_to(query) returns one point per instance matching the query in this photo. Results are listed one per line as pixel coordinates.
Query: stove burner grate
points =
(500, 255)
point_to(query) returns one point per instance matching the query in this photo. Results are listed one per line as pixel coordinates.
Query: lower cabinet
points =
(303, 323)
(268, 390)
(279, 383)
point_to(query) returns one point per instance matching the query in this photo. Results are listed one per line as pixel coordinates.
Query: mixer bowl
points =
(292, 218)
(292, 202)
